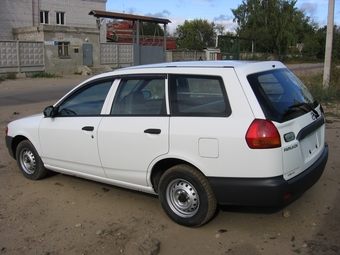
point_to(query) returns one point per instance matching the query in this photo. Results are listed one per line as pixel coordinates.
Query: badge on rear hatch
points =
(314, 115)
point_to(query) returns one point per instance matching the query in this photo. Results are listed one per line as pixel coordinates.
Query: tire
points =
(186, 196)
(29, 161)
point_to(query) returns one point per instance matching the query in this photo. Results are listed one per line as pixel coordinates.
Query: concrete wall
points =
(184, 55)
(32, 57)
(17, 57)
(116, 54)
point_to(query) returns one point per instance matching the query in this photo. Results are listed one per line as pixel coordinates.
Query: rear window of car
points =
(281, 94)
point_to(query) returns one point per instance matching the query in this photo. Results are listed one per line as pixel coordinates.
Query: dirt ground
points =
(68, 215)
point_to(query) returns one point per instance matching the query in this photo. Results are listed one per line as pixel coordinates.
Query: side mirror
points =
(50, 111)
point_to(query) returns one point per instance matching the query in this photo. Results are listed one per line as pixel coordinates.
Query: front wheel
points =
(186, 196)
(29, 161)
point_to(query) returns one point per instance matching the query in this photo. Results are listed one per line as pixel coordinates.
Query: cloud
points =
(223, 17)
(162, 14)
(309, 8)
(131, 10)
(175, 21)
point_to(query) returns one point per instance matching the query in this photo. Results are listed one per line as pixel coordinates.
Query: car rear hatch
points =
(295, 113)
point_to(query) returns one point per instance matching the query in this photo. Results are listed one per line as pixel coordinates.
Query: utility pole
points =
(329, 42)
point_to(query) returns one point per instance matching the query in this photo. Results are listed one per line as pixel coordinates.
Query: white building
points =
(68, 35)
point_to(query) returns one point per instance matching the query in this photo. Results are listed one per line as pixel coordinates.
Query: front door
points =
(87, 55)
(69, 139)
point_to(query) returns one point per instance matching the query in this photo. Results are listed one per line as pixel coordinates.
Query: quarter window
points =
(198, 96)
(140, 96)
(44, 17)
(60, 18)
(87, 101)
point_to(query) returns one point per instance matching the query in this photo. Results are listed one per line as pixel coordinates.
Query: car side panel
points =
(126, 149)
(27, 127)
(68, 144)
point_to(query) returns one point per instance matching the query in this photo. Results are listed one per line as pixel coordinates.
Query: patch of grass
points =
(298, 251)
(319, 91)
(2, 79)
(11, 76)
(78, 73)
(43, 75)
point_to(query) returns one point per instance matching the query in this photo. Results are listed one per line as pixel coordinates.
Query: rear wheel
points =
(186, 196)
(29, 161)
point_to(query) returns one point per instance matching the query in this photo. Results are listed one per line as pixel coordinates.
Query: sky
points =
(218, 11)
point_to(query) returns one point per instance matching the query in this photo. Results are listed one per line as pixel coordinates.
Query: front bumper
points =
(9, 141)
(267, 191)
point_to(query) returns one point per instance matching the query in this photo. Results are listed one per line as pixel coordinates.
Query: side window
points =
(86, 101)
(140, 96)
(60, 18)
(44, 17)
(198, 95)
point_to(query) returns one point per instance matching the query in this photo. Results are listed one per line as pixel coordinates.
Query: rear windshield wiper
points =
(298, 105)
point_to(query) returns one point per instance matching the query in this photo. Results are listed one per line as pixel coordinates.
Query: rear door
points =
(308, 145)
(296, 114)
(136, 131)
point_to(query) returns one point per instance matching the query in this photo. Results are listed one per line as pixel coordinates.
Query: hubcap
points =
(27, 161)
(182, 198)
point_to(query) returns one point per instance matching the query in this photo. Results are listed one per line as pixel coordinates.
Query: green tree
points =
(273, 24)
(196, 34)
(150, 28)
(336, 45)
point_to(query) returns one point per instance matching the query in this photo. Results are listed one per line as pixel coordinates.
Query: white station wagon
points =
(197, 134)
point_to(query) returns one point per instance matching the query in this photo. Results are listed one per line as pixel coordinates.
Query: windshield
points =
(281, 94)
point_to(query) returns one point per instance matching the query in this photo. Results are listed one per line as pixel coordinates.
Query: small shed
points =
(142, 54)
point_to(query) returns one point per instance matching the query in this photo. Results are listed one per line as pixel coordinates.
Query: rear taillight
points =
(262, 134)
(6, 130)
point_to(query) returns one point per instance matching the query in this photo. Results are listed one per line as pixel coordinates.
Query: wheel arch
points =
(15, 142)
(161, 166)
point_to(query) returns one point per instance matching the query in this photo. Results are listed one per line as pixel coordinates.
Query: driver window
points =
(87, 100)
(140, 96)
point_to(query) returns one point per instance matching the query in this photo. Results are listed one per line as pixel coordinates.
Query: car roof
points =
(203, 64)
(241, 66)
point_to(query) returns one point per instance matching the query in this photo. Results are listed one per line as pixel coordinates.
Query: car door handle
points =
(154, 131)
(88, 128)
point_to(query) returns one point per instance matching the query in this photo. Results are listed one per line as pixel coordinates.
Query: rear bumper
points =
(267, 191)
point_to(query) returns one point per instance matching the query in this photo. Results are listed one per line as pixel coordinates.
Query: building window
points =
(63, 49)
(44, 17)
(60, 18)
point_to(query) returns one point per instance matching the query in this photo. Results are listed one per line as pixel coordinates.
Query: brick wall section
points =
(76, 11)
(26, 13)
(14, 14)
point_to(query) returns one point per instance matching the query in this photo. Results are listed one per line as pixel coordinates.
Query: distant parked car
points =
(196, 134)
